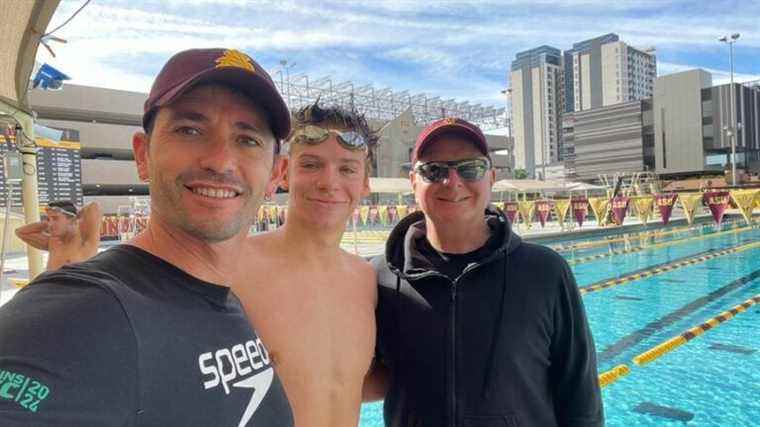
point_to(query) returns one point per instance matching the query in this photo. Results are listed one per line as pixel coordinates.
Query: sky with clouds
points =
(451, 49)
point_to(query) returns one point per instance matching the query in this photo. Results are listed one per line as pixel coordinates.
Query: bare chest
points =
(60, 254)
(316, 326)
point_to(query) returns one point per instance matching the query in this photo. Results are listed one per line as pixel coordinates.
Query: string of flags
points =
(605, 211)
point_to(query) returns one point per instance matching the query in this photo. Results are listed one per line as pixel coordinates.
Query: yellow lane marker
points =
(665, 268)
(677, 341)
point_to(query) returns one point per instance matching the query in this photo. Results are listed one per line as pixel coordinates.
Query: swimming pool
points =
(668, 283)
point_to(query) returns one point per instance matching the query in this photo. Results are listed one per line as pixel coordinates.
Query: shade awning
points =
(22, 23)
(390, 185)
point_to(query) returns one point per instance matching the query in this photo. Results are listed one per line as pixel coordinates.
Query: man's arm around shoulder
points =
(68, 356)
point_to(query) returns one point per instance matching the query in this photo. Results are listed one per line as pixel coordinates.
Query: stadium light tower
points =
(732, 128)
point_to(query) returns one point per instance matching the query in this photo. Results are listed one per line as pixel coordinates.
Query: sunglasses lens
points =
(472, 171)
(434, 172)
(468, 170)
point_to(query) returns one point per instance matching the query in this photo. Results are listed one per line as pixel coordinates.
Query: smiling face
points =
(209, 160)
(325, 183)
(453, 202)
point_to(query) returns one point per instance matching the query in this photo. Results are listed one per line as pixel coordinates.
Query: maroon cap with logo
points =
(453, 126)
(228, 66)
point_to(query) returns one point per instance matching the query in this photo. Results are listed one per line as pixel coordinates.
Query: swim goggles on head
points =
(470, 170)
(313, 135)
(59, 210)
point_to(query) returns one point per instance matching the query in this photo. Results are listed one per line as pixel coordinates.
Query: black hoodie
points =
(506, 343)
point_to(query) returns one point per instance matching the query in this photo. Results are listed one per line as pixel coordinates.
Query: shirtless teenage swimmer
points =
(68, 236)
(312, 302)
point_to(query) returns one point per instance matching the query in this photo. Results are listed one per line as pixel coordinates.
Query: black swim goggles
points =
(313, 135)
(470, 170)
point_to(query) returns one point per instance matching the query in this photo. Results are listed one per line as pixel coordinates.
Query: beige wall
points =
(98, 135)
(517, 119)
(678, 121)
(585, 64)
(610, 68)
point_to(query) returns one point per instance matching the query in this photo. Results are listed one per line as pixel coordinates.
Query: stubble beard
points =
(167, 198)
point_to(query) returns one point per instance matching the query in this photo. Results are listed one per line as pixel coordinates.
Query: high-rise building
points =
(605, 71)
(537, 86)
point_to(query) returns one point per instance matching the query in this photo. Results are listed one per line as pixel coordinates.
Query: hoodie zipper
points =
(453, 381)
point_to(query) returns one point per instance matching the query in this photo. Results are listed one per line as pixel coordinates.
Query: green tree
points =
(521, 174)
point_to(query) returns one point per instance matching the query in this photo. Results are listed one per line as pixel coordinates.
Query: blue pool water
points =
(713, 380)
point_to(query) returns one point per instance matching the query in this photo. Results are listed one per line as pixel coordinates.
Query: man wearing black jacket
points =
(476, 327)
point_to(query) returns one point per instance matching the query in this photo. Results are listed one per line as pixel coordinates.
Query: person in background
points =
(476, 327)
(68, 235)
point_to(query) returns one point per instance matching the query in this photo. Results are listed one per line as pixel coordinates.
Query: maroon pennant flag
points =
(717, 201)
(579, 206)
(665, 203)
(510, 208)
(543, 210)
(619, 208)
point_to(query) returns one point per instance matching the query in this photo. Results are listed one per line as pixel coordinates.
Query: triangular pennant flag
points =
(383, 214)
(745, 200)
(526, 208)
(665, 203)
(403, 210)
(561, 207)
(717, 201)
(599, 207)
(510, 210)
(643, 206)
(619, 208)
(689, 203)
(543, 210)
(580, 209)
(364, 214)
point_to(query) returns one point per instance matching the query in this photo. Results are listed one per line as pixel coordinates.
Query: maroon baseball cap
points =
(450, 125)
(228, 66)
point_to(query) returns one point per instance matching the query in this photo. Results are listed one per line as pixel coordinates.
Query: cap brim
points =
(256, 87)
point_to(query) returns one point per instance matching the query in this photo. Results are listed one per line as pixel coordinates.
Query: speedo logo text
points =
(225, 365)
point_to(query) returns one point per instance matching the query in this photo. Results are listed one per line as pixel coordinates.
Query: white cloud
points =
(453, 48)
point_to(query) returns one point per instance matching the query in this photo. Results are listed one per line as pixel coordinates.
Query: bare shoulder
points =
(363, 273)
(358, 264)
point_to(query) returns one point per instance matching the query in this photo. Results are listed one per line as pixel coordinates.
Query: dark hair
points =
(335, 115)
(64, 205)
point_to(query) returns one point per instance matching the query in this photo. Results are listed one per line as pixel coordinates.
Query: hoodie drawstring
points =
(490, 366)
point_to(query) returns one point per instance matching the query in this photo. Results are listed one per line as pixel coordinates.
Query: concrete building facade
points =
(537, 88)
(716, 121)
(609, 140)
(605, 71)
(677, 108)
(105, 121)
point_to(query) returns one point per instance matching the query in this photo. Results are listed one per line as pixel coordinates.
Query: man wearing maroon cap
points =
(148, 333)
(474, 326)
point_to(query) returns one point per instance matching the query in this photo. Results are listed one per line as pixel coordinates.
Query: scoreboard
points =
(59, 171)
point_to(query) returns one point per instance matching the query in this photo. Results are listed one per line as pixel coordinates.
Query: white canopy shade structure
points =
(528, 185)
(21, 25)
(390, 185)
(584, 186)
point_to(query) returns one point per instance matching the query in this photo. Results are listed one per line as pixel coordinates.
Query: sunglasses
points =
(470, 170)
(313, 135)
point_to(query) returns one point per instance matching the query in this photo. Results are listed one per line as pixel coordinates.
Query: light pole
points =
(731, 129)
(286, 66)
